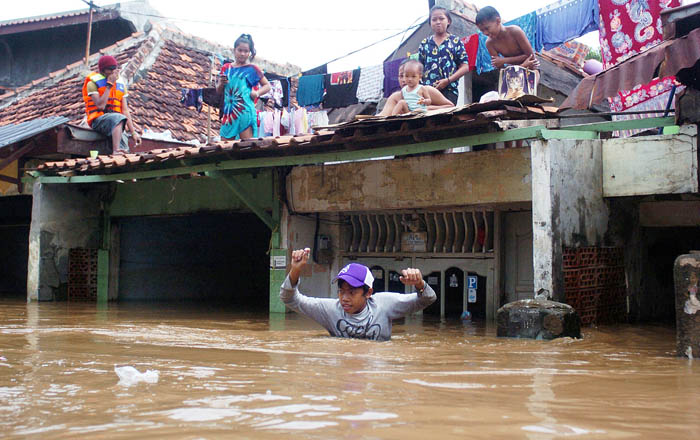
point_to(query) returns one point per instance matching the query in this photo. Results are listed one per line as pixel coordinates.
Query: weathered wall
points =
(63, 217)
(665, 164)
(181, 196)
(490, 176)
(317, 276)
(567, 205)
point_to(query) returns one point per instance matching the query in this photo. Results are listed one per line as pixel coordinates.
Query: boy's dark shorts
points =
(106, 123)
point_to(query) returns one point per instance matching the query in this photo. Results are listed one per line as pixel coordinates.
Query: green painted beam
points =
(102, 276)
(277, 275)
(629, 124)
(276, 208)
(568, 134)
(307, 159)
(243, 194)
(370, 153)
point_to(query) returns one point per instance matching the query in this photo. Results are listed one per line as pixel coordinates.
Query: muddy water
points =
(227, 375)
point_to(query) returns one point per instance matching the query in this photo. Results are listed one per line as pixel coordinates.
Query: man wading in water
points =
(356, 313)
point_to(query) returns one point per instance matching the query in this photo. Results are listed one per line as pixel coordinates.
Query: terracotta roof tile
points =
(365, 133)
(154, 99)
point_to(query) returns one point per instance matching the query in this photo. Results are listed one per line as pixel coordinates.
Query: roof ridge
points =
(68, 71)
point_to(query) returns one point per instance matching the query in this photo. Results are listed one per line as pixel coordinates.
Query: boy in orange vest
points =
(105, 104)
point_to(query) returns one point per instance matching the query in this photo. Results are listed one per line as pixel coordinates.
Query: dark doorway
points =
(15, 218)
(454, 292)
(433, 279)
(213, 259)
(664, 245)
(378, 274)
(395, 284)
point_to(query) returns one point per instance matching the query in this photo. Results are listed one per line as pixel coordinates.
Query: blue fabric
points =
(239, 110)
(566, 20)
(527, 22)
(310, 90)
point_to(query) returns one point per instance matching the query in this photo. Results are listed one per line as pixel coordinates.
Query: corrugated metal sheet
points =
(46, 17)
(10, 134)
(670, 57)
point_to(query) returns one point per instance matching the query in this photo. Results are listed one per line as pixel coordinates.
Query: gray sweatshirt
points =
(373, 322)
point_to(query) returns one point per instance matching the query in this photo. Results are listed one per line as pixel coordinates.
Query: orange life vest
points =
(114, 102)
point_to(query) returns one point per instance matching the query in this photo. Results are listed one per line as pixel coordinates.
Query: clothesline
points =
(546, 28)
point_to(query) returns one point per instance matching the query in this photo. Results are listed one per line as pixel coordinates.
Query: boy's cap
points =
(356, 275)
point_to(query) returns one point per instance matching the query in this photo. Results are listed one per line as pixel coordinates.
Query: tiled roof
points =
(371, 132)
(59, 93)
(154, 94)
(154, 100)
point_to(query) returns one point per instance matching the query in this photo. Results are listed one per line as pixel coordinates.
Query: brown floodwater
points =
(223, 374)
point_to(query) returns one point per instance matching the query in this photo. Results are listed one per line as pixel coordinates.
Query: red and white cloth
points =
(629, 27)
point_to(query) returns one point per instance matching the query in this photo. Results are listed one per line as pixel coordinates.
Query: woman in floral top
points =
(443, 55)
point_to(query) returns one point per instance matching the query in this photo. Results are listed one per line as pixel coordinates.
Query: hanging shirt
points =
(275, 93)
(341, 88)
(192, 98)
(239, 110)
(565, 20)
(471, 46)
(310, 90)
(320, 70)
(439, 62)
(369, 88)
(391, 76)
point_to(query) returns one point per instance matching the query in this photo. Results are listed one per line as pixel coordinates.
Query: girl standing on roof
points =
(236, 82)
(443, 55)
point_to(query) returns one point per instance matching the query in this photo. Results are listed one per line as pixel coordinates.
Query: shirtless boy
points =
(506, 44)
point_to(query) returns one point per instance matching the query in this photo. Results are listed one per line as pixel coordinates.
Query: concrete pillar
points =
(64, 216)
(686, 276)
(567, 206)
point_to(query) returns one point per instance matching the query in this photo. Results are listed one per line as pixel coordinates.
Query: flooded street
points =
(228, 375)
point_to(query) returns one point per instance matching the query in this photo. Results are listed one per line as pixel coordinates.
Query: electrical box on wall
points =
(324, 250)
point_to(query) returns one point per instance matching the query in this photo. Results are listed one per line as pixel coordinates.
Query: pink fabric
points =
(627, 99)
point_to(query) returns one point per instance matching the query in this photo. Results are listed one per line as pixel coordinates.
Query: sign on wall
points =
(471, 288)
(414, 241)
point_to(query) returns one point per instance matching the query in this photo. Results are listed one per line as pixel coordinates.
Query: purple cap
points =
(356, 275)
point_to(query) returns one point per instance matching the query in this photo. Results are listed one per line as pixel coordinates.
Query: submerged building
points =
(494, 202)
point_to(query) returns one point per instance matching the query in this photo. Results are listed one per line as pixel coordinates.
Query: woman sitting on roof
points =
(236, 81)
